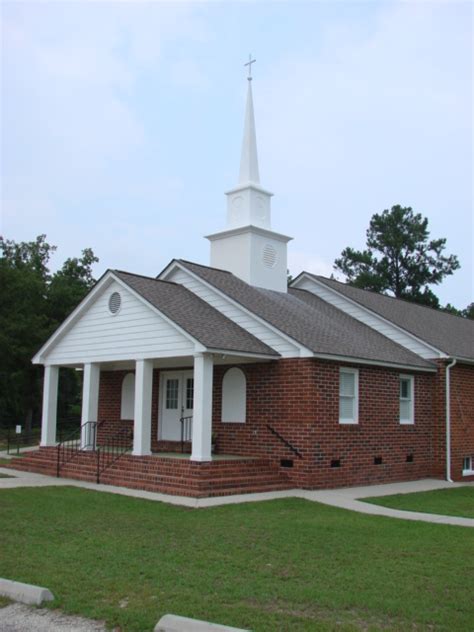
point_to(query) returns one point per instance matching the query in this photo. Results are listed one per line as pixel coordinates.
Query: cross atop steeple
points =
(249, 64)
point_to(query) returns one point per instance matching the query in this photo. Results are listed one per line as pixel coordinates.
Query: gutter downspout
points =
(448, 421)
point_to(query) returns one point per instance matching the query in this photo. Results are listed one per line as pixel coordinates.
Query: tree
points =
(34, 302)
(399, 259)
(469, 311)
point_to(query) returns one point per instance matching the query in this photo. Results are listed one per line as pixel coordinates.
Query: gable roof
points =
(195, 316)
(310, 321)
(453, 335)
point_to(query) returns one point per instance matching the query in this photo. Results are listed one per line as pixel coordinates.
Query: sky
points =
(121, 125)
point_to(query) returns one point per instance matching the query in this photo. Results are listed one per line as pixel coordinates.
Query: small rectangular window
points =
(407, 399)
(348, 396)
(467, 464)
(189, 393)
(172, 388)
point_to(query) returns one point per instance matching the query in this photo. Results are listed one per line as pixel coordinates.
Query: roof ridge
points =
(144, 276)
(201, 265)
(394, 298)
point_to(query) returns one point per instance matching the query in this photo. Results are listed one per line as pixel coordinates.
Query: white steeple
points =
(248, 247)
(249, 158)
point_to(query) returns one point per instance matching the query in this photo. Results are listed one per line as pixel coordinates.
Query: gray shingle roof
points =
(310, 321)
(453, 335)
(195, 316)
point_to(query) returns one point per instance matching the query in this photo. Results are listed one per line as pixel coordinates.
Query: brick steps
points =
(165, 475)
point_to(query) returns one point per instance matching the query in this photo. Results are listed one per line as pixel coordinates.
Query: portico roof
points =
(204, 323)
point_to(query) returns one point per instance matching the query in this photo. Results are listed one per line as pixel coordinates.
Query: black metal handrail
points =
(186, 430)
(15, 440)
(287, 443)
(80, 440)
(117, 445)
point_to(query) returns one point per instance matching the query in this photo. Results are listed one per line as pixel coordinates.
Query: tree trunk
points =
(28, 419)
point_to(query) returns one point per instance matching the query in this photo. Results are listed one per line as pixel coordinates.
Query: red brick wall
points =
(110, 402)
(462, 418)
(299, 398)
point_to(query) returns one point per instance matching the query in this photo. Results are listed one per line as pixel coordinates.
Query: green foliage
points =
(469, 311)
(399, 259)
(34, 302)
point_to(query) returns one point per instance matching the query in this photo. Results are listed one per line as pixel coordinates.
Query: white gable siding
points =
(369, 318)
(236, 314)
(136, 331)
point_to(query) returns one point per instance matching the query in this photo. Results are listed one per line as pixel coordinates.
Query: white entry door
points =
(177, 392)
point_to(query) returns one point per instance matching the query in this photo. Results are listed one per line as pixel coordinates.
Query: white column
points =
(90, 404)
(50, 406)
(202, 413)
(142, 413)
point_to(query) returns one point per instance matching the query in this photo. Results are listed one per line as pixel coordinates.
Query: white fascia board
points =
(244, 354)
(66, 325)
(304, 352)
(389, 365)
(101, 286)
(460, 359)
(305, 275)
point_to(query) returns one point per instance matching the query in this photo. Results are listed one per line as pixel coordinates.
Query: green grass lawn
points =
(457, 501)
(287, 564)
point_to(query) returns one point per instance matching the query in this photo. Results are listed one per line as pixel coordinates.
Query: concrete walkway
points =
(345, 498)
(13, 452)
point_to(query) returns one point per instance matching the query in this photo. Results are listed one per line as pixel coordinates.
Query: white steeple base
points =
(254, 254)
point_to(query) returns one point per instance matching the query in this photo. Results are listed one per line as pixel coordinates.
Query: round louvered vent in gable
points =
(115, 301)
(269, 256)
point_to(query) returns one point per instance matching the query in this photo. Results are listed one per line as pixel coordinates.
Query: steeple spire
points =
(249, 158)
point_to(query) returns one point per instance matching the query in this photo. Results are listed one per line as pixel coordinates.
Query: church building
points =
(222, 378)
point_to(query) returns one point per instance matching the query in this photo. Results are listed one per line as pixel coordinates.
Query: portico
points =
(201, 407)
(138, 324)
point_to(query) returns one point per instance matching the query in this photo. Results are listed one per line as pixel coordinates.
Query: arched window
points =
(234, 396)
(128, 397)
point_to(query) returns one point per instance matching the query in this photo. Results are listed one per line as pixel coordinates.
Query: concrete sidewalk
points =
(13, 452)
(350, 498)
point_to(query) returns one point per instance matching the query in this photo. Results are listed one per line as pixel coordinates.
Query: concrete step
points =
(169, 476)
